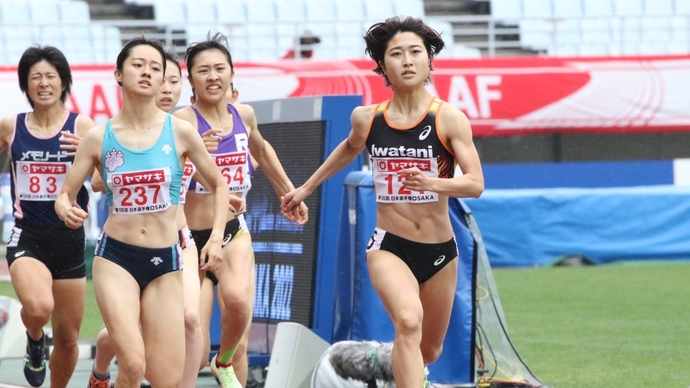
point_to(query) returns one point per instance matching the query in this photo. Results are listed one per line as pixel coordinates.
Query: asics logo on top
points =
(425, 133)
(156, 260)
(167, 149)
(439, 260)
(20, 253)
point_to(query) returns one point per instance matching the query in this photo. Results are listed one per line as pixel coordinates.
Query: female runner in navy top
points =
(46, 258)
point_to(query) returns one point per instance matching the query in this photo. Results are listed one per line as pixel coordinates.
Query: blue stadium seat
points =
(15, 12)
(680, 29)
(619, 48)
(74, 11)
(596, 30)
(646, 48)
(286, 33)
(536, 34)
(678, 47)
(655, 29)
(683, 7)
(77, 41)
(44, 12)
(658, 7)
(413, 8)
(507, 10)
(237, 39)
(349, 10)
(460, 50)
(537, 9)
(349, 35)
(628, 7)
(107, 43)
(320, 11)
(378, 10)
(170, 12)
(627, 31)
(51, 35)
(567, 8)
(597, 7)
(290, 11)
(261, 11)
(198, 32)
(262, 41)
(17, 39)
(564, 50)
(594, 49)
(567, 32)
(3, 50)
(231, 11)
(201, 11)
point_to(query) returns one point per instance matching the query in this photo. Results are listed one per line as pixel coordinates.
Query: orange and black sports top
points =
(394, 148)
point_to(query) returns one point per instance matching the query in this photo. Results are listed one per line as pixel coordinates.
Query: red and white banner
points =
(501, 96)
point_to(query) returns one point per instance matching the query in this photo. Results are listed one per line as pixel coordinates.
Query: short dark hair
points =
(171, 56)
(50, 54)
(218, 42)
(380, 34)
(138, 41)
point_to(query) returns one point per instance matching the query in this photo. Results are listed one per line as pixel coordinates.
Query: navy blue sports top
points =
(39, 168)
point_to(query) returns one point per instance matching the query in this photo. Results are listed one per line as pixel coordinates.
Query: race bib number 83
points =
(40, 181)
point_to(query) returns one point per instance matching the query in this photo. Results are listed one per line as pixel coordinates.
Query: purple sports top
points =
(231, 157)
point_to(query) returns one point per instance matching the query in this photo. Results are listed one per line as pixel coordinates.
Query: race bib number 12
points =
(389, 184)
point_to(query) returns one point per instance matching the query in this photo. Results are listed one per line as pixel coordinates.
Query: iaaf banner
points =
(501, 96)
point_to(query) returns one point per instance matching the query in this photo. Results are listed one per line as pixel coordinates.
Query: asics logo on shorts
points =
(439, 260)
(156, 260)
(227, 239)
(425, 132)
(20, 253)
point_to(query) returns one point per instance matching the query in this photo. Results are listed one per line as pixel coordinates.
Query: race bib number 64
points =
(234, 167)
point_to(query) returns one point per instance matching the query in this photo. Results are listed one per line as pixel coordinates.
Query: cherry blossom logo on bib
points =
(114, 159)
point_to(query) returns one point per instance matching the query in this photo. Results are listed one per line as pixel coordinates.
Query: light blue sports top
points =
(141, 181)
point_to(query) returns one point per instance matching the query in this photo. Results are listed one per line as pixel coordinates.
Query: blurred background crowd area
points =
(92, 32)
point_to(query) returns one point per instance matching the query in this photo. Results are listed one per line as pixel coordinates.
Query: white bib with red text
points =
(389, 185)
(40, 181)
(139, 192)
(187, 173)
(235, 169)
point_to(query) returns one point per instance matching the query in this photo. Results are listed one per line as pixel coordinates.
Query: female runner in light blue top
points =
(140, 154)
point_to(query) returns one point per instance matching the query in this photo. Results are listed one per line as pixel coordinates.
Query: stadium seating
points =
(506, 10)
(65, 24)
(597, 8)
(567, 8)
(537, 9)
(231, 11)
(598, 27)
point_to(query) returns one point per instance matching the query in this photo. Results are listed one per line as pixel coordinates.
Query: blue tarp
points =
(537, 226)
(359, 313)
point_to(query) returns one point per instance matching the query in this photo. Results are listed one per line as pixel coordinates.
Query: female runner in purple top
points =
(210, 72)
